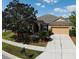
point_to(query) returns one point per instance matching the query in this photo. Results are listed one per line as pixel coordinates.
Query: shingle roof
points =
(53, 20)
(47, 18)
(60, 22)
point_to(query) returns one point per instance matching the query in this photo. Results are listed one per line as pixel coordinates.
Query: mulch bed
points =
(73, 39)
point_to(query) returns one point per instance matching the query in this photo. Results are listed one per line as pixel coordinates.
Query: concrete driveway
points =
(61, 47)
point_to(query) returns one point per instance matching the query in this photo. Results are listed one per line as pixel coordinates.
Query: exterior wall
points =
(60, 30)
(70, 27)
(49, 27)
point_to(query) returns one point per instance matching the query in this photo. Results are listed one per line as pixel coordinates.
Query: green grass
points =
(8, 35)
(16, 51)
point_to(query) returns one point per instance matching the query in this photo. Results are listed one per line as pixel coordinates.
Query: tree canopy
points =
(17, 16)
(72, 19)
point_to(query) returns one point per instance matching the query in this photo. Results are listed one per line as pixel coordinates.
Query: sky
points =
(55, 7)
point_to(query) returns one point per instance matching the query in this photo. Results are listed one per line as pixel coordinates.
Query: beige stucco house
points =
(57, 25)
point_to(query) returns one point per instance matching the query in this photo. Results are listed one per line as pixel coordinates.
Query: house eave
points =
(61, 26)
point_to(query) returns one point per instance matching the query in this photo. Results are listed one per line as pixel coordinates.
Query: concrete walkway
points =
(32, 47)
(6, 55)
(61, 47)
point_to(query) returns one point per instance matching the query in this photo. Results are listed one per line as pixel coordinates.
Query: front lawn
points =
(17, 51)
(8, 35)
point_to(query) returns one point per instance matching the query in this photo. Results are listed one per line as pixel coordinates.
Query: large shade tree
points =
(17, 17)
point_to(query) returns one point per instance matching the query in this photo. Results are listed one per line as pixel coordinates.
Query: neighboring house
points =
(57, 25)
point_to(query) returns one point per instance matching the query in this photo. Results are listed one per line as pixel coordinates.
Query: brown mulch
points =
(73, 39)
(43, 44)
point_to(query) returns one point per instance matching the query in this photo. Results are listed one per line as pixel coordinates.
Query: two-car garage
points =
(60, 30)
(60, 27)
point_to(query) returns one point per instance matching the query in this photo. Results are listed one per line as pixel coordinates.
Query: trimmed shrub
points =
(72, 32)
(43, 35)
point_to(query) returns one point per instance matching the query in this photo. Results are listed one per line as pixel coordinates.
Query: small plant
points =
(43, 35)
(50, 32)
(23, 51)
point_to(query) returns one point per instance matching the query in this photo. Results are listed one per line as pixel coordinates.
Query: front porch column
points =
(39, 25)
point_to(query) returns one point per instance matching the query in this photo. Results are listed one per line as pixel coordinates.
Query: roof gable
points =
(53, 20)
(60, 22)
(47, 18)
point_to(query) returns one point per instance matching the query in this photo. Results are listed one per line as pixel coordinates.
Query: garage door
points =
(60, 30)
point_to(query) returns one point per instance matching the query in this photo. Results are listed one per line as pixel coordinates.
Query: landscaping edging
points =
(10, 55)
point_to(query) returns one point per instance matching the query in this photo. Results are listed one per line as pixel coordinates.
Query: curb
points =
(9, 55)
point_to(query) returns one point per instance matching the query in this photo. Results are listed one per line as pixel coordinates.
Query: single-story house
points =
(57, 25)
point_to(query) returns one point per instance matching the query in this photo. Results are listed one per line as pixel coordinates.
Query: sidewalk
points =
(60, 48)
(32, 47)
(6, 55)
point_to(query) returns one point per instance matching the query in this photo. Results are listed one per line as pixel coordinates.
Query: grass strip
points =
(17, 51)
